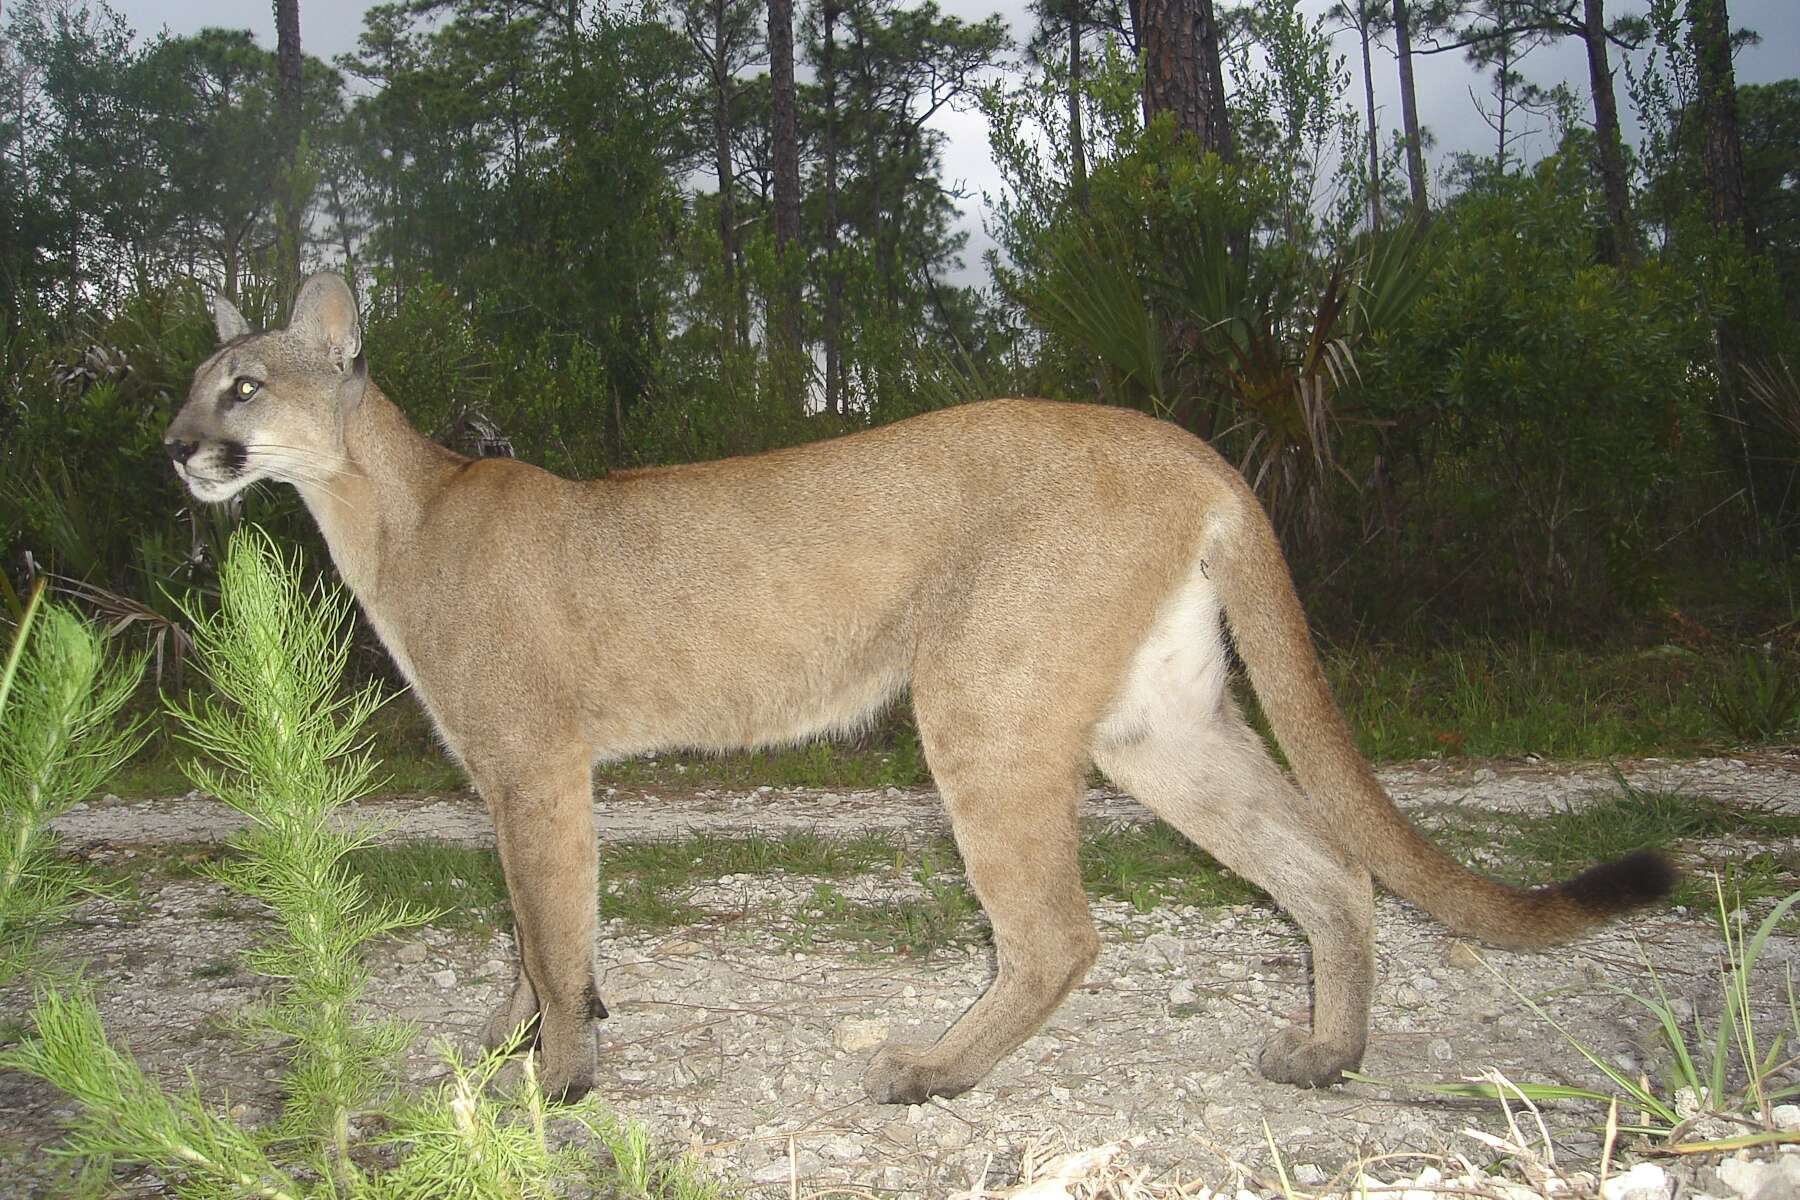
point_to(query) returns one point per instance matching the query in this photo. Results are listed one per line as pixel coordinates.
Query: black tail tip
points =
(1641, 877)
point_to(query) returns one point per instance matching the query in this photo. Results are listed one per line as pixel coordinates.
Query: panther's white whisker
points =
(298, 472)
(307, 451)
(290, 467)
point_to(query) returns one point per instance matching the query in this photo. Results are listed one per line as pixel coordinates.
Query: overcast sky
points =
(330, 27)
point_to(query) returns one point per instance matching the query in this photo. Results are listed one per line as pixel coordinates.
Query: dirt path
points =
(638, 814)
(745, 1040)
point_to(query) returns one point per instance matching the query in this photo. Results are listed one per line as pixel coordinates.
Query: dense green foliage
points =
(559, 219)
(279, 744)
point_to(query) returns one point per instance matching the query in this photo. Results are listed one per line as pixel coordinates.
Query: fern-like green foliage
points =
(284, 748)
(124, 1114)
(60, 697)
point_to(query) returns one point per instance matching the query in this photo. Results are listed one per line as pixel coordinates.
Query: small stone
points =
(1407, 997)
(840, 1148)
(1441, 1050)
(1645, 1181)
(1232, 969)
(445, 978)
(860, 1033)
(901, 1134)
(1752, 1180)
(803, 1164)
(412, 952)
(1462, 956)
(1427, 1185)
(1183, 995)
(1786, 1117)
(1160, 949)
(1310, 1174)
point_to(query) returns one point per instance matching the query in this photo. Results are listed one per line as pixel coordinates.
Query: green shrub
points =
(1539, 411)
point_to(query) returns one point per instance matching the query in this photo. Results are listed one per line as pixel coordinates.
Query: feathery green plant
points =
(124, 1114)
(59, 699)
(286, 750)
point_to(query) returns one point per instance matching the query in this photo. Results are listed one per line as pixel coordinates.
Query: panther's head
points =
(272, 405)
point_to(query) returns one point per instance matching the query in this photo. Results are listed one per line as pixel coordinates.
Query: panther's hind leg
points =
(1214, 781)
(1013, 815)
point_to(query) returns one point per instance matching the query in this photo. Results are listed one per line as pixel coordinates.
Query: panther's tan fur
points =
(1047, 579)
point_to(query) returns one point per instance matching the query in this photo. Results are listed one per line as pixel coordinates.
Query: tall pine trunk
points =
(1721, 151)
(734, 331)
(289, 203)
(834, 283)
(1745, 426)
(786, 153)
(1077, 144)
(1409, 108)
(1179, 44)
(1182, 71)
(1362, 33)
(1618, 244)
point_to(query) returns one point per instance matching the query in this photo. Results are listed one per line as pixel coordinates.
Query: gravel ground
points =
(743, 1040)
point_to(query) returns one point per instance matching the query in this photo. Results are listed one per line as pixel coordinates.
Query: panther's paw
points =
(1293, 1055)
(901, 1074)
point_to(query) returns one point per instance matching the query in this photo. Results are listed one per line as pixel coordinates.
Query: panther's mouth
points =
(211, 487)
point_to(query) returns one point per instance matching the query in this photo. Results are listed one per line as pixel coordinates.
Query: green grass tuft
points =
(1490, 699)
(646, 883)
(461, 884)
(1633, 819)
(1151, 865)
(1758, 701)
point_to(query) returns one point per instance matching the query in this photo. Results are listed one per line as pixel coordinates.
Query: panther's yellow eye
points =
(245, 388)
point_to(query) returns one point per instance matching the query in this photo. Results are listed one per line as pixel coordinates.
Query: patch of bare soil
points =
(743, 1038)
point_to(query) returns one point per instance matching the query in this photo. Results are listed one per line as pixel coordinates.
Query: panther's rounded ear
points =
(325, 315)
(228, 320)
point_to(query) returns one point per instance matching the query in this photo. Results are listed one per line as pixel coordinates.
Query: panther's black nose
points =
(180, 451)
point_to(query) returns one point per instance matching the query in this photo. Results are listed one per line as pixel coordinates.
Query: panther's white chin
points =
(211, 491)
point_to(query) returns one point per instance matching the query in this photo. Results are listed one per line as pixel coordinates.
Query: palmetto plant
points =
(1264, 369)
(1772, 384)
